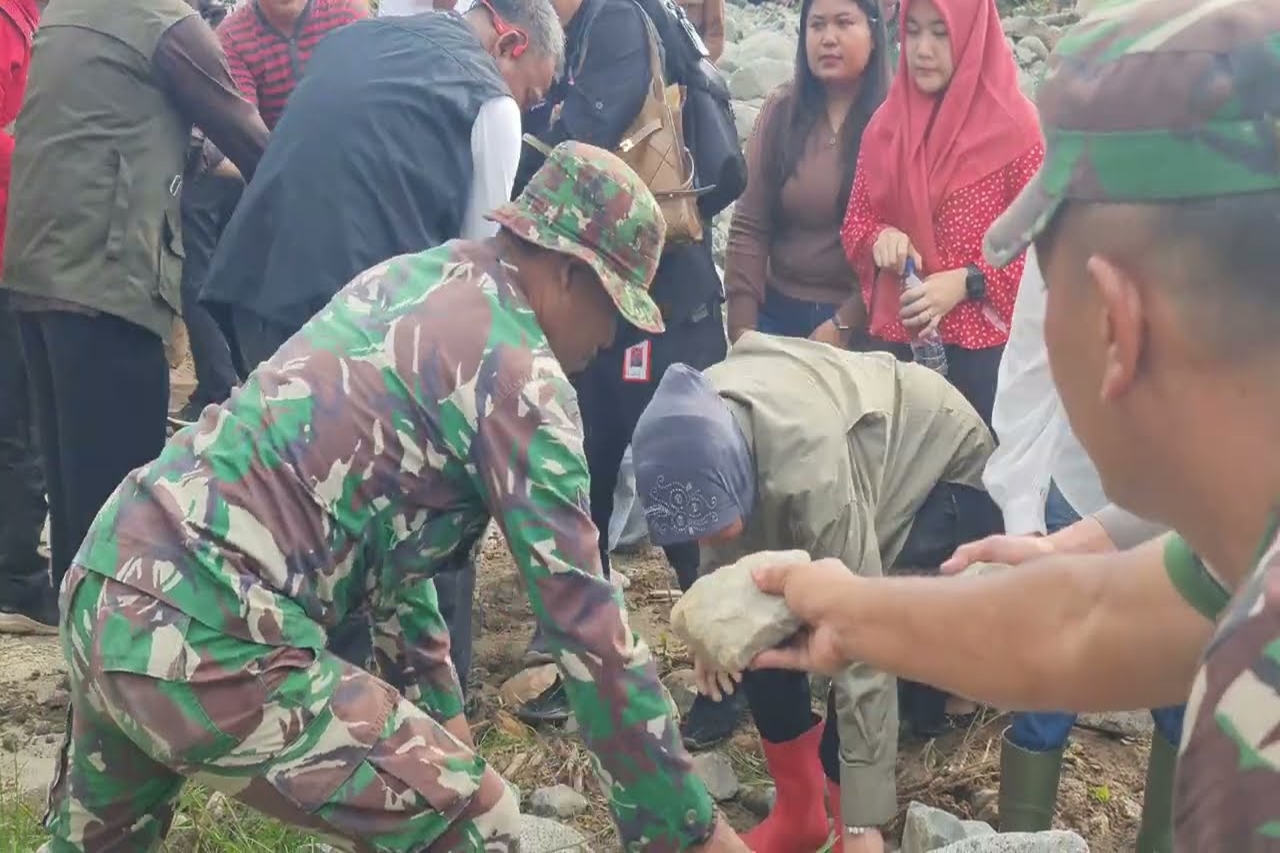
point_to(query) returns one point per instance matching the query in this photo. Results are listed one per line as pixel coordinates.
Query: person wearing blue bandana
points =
(793, 444)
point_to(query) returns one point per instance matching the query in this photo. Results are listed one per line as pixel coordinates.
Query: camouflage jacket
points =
(1227, 795)
(369, 454)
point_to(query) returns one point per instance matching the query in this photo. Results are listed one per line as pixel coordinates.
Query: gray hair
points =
(540, 22)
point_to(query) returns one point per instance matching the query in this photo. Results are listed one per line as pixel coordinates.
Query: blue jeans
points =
(790, 317)
(1046, 731)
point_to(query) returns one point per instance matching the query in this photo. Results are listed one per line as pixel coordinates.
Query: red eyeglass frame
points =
(502, 27)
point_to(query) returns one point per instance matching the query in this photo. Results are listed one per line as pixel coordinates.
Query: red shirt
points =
(18, 20)
(266, 63)
(960, 224)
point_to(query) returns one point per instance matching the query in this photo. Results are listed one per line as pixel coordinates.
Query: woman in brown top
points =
(785, 272)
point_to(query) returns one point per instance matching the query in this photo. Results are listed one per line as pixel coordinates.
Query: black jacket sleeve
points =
(607, 92)
(190, 65)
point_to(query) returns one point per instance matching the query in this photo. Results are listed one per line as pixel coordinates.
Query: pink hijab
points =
(918, 149)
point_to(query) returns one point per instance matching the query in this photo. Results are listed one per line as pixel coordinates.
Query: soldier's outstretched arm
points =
(529, 464)
(1078, 632)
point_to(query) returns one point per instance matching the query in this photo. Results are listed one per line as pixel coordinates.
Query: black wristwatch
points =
(975, 284)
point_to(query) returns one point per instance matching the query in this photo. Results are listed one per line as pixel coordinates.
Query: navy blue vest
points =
(371, 159)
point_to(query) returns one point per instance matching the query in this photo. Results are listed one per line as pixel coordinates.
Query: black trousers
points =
(951, 515)
(256, 339)
(207, 205)
(101, 391)
(973, 372)
(611, 404)
(23, 572)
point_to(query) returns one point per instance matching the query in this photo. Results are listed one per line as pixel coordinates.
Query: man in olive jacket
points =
(93, 259)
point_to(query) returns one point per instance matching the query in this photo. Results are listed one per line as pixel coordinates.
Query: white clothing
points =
(495, 156)
(1036, 442)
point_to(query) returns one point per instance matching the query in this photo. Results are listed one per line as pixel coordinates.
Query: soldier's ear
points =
(566, 273)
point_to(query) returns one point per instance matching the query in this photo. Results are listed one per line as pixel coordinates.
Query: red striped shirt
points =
(267, 63)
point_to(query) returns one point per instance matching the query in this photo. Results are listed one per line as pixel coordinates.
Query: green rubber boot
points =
(1155, 834)
(1028, 787)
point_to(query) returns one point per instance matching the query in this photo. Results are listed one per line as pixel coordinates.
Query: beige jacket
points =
(846, 447)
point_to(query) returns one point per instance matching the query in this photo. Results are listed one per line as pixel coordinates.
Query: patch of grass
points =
(20, 829)
(205, 823)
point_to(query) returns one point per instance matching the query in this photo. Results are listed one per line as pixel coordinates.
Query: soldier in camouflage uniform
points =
(1156, 220)
(428, 397)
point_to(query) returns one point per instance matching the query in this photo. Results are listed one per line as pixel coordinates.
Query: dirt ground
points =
(1100, 795)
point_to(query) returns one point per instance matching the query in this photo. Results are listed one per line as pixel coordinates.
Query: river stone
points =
(543, 835)
(558, 801)
(769, 44)
(977, 570)
(744, 117)
(927, 829)
(717, 774)
(727, 620)
(1055, 841)
(759, 78)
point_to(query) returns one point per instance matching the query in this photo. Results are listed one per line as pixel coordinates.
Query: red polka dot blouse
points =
(960, 224)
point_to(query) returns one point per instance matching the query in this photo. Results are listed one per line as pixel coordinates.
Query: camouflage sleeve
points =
(411, 645)
(528, 457)
(1227, 794)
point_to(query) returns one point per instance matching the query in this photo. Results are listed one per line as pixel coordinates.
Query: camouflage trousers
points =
(298, 734)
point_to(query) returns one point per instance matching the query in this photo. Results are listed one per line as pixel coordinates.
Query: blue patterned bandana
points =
(694, 472)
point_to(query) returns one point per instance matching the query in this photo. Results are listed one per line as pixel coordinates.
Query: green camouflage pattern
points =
(587, 203)
(1227, 789)
(363, 458)
(1151, 101)
(298, 734)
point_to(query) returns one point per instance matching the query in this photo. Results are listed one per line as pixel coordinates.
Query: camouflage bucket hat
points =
(587, 203)
(1154, 101)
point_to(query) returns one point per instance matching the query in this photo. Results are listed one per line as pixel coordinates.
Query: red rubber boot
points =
(798, 822)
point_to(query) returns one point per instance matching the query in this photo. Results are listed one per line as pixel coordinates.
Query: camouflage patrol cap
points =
(587, 203)
(1154, 101)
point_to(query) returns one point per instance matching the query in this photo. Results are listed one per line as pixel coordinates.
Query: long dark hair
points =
(807, 102)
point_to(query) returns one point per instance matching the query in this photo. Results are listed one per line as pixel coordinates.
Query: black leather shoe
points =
(710, 722)
(549, 706)
(36, 614)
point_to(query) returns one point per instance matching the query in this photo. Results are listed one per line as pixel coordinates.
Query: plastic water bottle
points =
(926, 348)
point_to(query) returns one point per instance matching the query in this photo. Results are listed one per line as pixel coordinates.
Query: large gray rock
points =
(543, 835)
(717, 774)
(557, 801)
(744, 117)
(770, 44)
(1057, 841)
(927, 829)
(727, 620)
(682, 688)
(757, 79)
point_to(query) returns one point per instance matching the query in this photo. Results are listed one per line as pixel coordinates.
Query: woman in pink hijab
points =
(952, 145)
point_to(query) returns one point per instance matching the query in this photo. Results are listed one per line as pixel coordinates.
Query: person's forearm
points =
(1079, 633)
(1124, 529)
(617, 699)
(1086, 536)
(189, 63)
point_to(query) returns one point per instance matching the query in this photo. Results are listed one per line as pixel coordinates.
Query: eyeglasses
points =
(502, 27)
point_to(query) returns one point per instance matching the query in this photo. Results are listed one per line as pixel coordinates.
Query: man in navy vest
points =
(403, 133)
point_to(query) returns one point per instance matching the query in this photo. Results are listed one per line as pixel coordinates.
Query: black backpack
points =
(711, 134)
